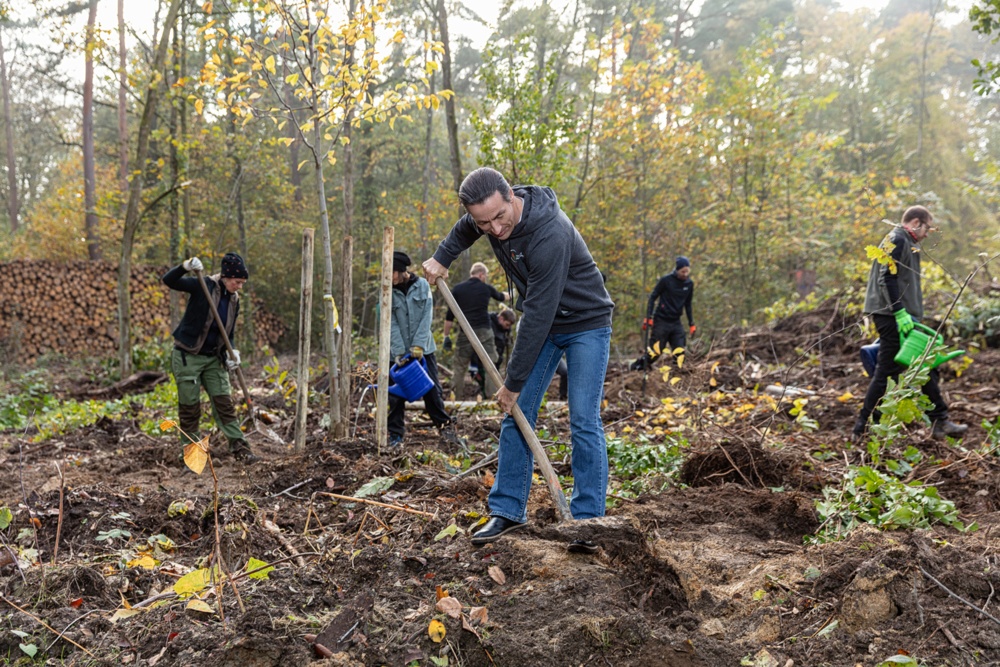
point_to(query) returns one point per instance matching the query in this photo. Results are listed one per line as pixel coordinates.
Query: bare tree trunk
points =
(122, 103)
(185, 193)
(922, 109)
(175, 221)
(250, 332)
(428, 174)
(451, 119)
(8, 122)
(89, 185)
(346, 319)
(132, 218)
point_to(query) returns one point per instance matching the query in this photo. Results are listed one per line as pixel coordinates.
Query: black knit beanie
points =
(400, 261)
(233, 267)
(682, 261)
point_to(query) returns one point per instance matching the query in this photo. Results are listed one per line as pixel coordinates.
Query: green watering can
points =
(917, 341)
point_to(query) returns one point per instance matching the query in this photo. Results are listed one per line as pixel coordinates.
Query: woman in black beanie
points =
(199, 357)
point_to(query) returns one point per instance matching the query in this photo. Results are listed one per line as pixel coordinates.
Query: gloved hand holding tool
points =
(233, 359)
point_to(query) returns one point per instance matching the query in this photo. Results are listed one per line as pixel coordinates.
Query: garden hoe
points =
(558, 496)
(257, 426)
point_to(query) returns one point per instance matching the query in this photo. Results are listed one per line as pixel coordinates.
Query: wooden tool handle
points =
(551, 480)
(225, 338)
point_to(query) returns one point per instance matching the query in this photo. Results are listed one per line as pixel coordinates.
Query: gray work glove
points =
(233, 361)
(193, 264)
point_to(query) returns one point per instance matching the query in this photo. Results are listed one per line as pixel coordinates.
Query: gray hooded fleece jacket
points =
(561, 289)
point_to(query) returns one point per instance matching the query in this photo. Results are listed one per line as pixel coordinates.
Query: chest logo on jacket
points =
(516, 256)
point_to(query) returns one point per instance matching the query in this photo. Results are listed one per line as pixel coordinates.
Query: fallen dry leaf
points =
(479, 615)
(497, 575)
(449, 606)
(468, 626)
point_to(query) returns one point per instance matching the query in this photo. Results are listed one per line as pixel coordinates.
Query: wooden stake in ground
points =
(551, 480)
(384, 336)
(305, 336)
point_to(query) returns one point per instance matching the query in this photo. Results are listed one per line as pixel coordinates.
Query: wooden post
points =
(305, 333)
(346, 319)
(384, 336)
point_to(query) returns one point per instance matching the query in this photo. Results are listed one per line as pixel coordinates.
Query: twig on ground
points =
(959, 598)
(59, 635)
(378, 504)
(46, 626)
(290, 489)
(62, 491)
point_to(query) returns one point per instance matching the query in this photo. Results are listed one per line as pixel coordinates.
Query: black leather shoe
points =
(946, 427)
(582, 547)
(493, 529)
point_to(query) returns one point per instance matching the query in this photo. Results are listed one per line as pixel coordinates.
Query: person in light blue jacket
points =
(411, 341)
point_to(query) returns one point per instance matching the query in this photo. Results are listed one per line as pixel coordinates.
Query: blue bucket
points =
(411, 379)
(869, 356)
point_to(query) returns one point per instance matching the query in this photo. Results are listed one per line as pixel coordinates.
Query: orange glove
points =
(692, 329)
(647, 323)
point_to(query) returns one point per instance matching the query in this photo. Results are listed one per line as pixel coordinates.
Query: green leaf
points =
(440, 662)
(253, 564)
(194, 582)
(29, 649)
(450, 531)
(828, 629)
(375, 487)
(899, 660)
(5, 517)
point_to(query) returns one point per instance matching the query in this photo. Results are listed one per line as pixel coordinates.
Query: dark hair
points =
(918, 213)
(480, 185)
(507, 314)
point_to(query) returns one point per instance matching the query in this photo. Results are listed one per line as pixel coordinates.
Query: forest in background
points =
(767, 140)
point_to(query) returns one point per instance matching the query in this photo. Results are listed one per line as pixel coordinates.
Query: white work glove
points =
(233, 361)
(193, 264)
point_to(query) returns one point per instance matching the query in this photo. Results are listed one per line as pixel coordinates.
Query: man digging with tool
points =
(473, 298)
(198, 359)
(895, 301)
(566, 309)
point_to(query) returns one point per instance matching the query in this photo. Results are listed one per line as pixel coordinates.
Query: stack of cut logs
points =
(72, 309)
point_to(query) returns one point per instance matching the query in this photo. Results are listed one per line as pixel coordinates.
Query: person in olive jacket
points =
(199, 358)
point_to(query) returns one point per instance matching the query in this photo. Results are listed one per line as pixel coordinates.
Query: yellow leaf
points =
(292, 79)
(680, 360)
(269, 65)
(200, 605)
(845, 397)
(712, 383)
(167, 424)
(144, 561)
(676, 380)
(196, 456)
(656, 348)
(193, 582)
(436, 631)
(199, 106)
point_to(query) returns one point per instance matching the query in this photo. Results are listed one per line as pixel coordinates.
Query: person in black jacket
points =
(473, 298)
(674, 291)
(200, 358)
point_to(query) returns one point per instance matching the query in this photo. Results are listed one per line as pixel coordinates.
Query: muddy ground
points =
(712, 571)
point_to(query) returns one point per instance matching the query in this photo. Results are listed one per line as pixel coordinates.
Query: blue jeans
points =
(587, 359)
